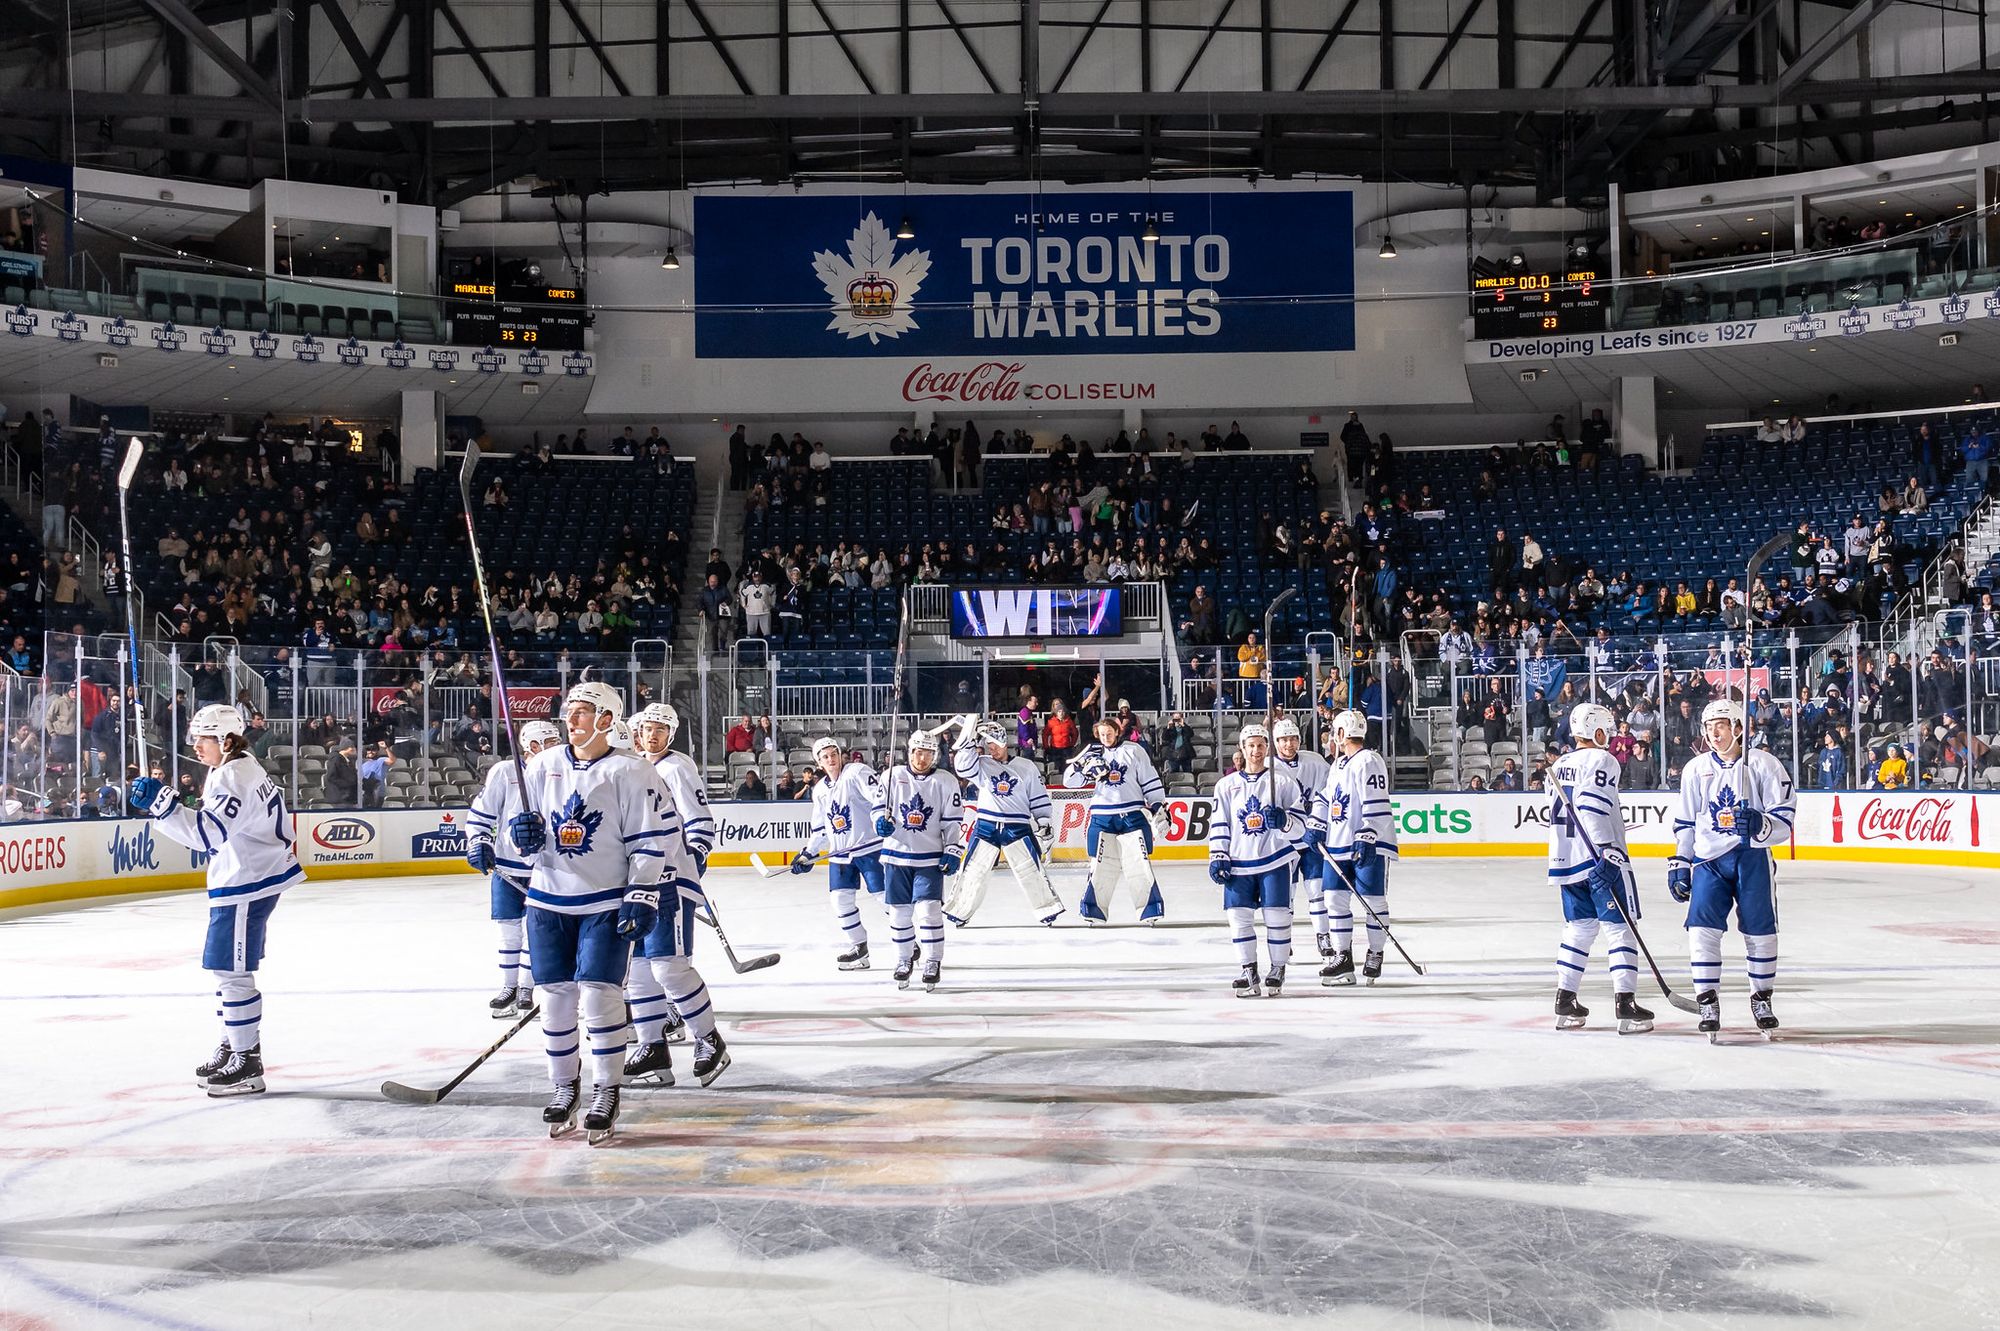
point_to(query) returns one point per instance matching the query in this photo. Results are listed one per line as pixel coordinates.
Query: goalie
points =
(1011, 808)
(1127, 815)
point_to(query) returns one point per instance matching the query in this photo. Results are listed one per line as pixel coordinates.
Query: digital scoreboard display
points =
(515, 314)
(1524, 304)
(1037, 612)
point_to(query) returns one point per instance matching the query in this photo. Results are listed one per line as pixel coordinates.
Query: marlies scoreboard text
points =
(1523, 304)
(489, 314)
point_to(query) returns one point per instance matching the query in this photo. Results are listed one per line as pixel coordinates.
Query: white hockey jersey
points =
(1009, 794)
(844, 811)
(1711, 791)
(611, 825)
(495, 804)
(1309, 770)
(1356, 799)
(1129, 783)
(1590, 777)
(685, 784)
(244, 828)
(929, 817)
(1240, 823)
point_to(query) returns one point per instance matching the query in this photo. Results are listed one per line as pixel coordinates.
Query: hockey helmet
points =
(619, 737)
(1350, 724)
(598, 695)
(1587, 718)
(660, 714)
(825, 742)
(1252, 731)
(992, 732)
(1285, 729)
(925, 741)
(215, 721)
(540, 733)
(1722, 709)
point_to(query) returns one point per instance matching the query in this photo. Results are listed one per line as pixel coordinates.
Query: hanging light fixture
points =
(1151, 234)
(670, 260)
(904, 231)
(1388, 250)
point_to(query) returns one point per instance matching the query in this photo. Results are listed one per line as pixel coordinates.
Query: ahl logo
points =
(444, 360)
(1905, 315)
(872, 288)
(131, 853)
(351, 352)
(343, 834)
(21, 323)
(218, 342)
(306, 349)
(69, 327)
(576, 365)
(263, 346)
(533, 362)
(398, 356)
(446, 843)
(169, 338)
(488, 361)
(1855, 322)
(119, 333)
(1952, 309)
(1806, 327)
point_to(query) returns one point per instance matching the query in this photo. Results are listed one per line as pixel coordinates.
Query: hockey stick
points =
(1750, 574)
(1362, 898)
(126, 471)
(486, 614)
(413, 1095)
(1685, 1004)
(708, 917)
(764, 870)
(896, 684)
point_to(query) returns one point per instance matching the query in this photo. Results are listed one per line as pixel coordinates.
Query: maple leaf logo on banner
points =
(872, 288)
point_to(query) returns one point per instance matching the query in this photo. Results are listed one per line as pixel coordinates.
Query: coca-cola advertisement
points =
(1002, 381)
(531, 704)
(1941, 822)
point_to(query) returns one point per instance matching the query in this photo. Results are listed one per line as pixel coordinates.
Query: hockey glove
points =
(700, 860)
(1315, 836)
(1366, 856)
(1750, 824)
(480, 856)
(1277, 818)
(953, 861)
(1157, 816)
(1680, 879)
(1607, 875)
(144, 791)
(802, 862)
(1045, 835)
(639, 912)
(1218, 870)
(882, 825)
(528, 833)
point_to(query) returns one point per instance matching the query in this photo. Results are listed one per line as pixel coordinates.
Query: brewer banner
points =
(999, 275)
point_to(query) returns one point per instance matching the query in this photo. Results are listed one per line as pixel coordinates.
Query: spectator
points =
(752, 786)
(1177, 744)
(375, 775)
(1831, 762)
(1025, 731)
(739, 737)
(1250, 658)
(1894, 771)
(757, 597)
(341, 785)
(718, 612)
(1508, 777)
(1915, 500)
(1059, 733)
(1199, 627)
(1978, 450)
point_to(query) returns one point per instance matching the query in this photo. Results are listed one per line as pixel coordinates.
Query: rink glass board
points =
(1037, 612)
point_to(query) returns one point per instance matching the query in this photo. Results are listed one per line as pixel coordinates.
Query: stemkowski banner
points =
(1015, 274)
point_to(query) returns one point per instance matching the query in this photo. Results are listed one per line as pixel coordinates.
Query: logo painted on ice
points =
(70, 327)
(576, 365)
(169, 338)
(129, 854)
(397, 356)
(488, 361)
(218, 342)
(444, 360)
(352, 352)
(343, 834)
(263, 346)
(872, 288)
(446, 843)
(21, 323)
(1905, 315)
(576, 826)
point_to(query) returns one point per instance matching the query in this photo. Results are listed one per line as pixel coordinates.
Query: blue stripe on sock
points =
(560, 1053)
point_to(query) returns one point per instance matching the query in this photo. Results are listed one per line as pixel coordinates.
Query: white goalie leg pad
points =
(240, 1007)
(930, 918)
(1107, 870)
(848, 915)
(514, 954)
(685, 990)
(903, 930)
(1278, 934)
(559, 1032)
(1705, 958)
(1034, 882)
(1243, 934)
(604, 1027)
(969, 888)
(1624, 956)
(1138, 879)
(1573, 956)
(648, 1000)
(1760, 961)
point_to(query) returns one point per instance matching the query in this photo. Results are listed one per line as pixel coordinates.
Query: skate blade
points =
(1634, 1027)
(930, 986)
(1569, 1023)
(1337, 981)
(853, 965)
(599, 1136)
(678, 1035)
(708, 1078)
(1273, 993)
(254, 1086)
(1249, 993)
(1770, 1036)
(562, 1129)
(661, 1078)
(504, 1014)
(1370, 980)
(1714, 1037)
(903, 983)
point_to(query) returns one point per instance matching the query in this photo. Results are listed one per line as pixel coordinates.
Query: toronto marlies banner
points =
(989, 274)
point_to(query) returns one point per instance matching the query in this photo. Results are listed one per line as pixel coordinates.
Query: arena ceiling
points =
(442, 100)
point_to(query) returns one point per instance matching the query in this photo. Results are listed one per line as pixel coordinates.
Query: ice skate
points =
(1274, 983)
(854, 959)
(1245, 985)
(711, 1056)
(651, 1064)
(1710, 1023)
(1050, 920)
(602, 1120)
(524, 1001)
(560, 1112)
(1632, 1019)
(905, 966)
(243, 1074)
(502, 1004)
(217, 1061)
(1760, 1011)
(1570, 1014)
(933, 971)
(1371, 969)
(1339, 971)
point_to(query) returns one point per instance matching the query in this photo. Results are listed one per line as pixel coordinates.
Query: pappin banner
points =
(1014, 274)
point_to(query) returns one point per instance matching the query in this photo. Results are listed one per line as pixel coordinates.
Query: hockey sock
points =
(1624, 958)
(1278, 934)
(684, 987)
(1243, 934)
(1760, 961)
(559, 1034)
(604, 1023)
(240, 1007)
(1340, 914)
(930, 915)
(648, 999)
(1705, 958)
(1377, 940)
(903, 930)
(849, 916)
(1573, 957)
(1316, 907)
(513, 955)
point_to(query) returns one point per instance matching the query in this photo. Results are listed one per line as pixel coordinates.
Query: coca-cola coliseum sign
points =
(1013, 381)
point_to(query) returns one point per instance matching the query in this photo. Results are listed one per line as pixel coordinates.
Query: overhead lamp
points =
(670, 260)
(1581, 249)
(1151, 234)
(904, 231)
(1388, 250)
(1517, 260)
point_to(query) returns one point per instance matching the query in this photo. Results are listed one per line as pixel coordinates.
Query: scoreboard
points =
(514, 312)
(1524, 304)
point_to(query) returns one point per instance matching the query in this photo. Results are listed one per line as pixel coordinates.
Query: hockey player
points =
(1586, 812)
(664, 993)
(849, 821)
(1251, 850)
(1734, 808)
(1309, 770)
(246, 832)
(1010, 816)
(922, 848)
(1127, 815)
(1360, 843)
(498, 801)
(599, 836)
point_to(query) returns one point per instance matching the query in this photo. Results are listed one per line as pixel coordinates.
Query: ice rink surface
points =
(1078, 1123)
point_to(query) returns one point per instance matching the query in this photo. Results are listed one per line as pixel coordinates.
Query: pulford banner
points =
(1001, 275)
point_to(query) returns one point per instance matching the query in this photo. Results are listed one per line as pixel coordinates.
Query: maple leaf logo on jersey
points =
(838, 816)
(1722, 810)
(1114, 774)
(872, 288)
(1252, 816)
(1004, 783)
(1339, 808)
(914, 815)
(575, 826)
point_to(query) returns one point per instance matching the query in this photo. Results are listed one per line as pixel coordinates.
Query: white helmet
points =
(540, 732)
(1251, 732)
(925, 741)
(992, 732)
(1285, 729)
(825, 742)
(1723, 709)
(1350, 724)
(599, 695)
(215, 721)
(660, 714)
(1587, 718)
(619, 737)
